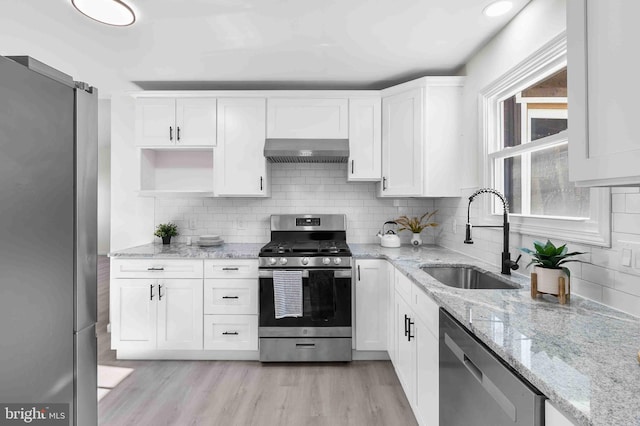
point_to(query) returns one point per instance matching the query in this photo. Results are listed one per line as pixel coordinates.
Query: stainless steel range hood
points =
(307, 150)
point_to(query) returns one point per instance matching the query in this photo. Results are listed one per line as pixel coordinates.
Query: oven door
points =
(335, 322)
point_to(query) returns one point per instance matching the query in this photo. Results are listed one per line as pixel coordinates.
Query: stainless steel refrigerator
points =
(48, 238)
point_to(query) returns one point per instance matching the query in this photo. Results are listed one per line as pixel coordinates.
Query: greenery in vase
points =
(415, 224)
(166, 230)
(551, 257)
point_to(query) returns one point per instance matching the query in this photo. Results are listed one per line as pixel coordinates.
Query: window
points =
(526, 137)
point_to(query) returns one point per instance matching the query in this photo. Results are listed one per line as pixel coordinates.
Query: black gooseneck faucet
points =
(507, 263)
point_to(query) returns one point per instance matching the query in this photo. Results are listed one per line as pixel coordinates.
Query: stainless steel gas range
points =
(305, 290)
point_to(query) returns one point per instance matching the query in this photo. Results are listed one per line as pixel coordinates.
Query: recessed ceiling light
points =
(497, 8)
(110, 12)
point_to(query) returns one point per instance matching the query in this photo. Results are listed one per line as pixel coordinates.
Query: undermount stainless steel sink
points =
(468, 277)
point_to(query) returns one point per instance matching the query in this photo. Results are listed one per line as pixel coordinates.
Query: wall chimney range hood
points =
(306, 150)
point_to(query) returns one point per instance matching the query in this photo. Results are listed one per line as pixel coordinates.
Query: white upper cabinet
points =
(305, 118)
(175, 121)
(240, 168)
(421, 136)
(402, 145)
(604, 147)
(365, 139)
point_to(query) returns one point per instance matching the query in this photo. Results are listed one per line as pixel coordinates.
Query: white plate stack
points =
(210, 240)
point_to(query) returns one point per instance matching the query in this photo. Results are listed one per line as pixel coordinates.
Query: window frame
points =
(593, 231)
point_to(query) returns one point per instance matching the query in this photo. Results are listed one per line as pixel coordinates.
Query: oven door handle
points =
(337, 273)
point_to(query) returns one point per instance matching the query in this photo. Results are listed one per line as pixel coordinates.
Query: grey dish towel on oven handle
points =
(287, 293)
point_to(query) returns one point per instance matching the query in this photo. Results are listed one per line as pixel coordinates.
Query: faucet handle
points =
(467, 235)
(514, 265)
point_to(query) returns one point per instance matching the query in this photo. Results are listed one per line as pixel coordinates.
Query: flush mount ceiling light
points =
(497, 8)
(110, 12)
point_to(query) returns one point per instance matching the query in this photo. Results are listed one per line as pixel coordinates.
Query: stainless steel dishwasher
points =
(477, 388)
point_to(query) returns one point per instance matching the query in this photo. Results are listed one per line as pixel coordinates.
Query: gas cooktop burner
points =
(307, 248)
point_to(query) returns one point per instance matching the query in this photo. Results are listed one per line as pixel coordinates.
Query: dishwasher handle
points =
(501, 399)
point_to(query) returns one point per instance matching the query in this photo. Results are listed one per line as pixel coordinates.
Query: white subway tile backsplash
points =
(628, 283)
(632, 203)
(628, 223)
(586, 289)
(295, 188)
(620, 300)
(597, 274)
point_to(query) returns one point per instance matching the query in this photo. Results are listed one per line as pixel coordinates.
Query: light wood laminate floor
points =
(225, 393)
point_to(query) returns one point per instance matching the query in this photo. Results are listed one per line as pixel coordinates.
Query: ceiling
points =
(256, 44)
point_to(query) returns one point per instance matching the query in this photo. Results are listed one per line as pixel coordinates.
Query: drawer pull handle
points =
(155, 269)
(409, 335)
(230, 297)
(230, 269)
(230, 333)
(305, 345)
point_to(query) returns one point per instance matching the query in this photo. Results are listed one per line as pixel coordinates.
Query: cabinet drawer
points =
(426, 309)
(403, 286)
(231, 296)
(231, 268)
(231, 332)
(156, 268)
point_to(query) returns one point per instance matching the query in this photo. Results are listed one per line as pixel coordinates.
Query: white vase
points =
(548, 279)
(415, 239)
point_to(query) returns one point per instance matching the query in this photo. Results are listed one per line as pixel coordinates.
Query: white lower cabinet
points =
(231, 304)
(416, 353)
(149, 314)
(231, 332)
(371, 304)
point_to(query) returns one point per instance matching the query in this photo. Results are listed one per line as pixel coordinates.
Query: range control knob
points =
(326, 261)
(283, 260)
(337, 260)
(272, 261)
(305, 261)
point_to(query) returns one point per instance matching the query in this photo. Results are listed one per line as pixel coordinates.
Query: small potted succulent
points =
(166, 231)
(549, 260)
(416, 225)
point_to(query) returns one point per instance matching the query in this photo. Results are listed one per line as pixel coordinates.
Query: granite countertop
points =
(182, 250)
(581, 355)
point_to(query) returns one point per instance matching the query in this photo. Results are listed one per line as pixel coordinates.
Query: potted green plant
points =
(549, 260)
(416, 225)
(166, 231)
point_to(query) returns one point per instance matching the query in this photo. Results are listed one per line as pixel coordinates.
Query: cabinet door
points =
(155, 121)
(133, 313)
(239, 164)
(179, 314)
(195, 121)
(604, 149)
(365, 140)
(427, 386)
(402, 140)
(405, 352)
(371, 305)
(391, 313)
(290, 118)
